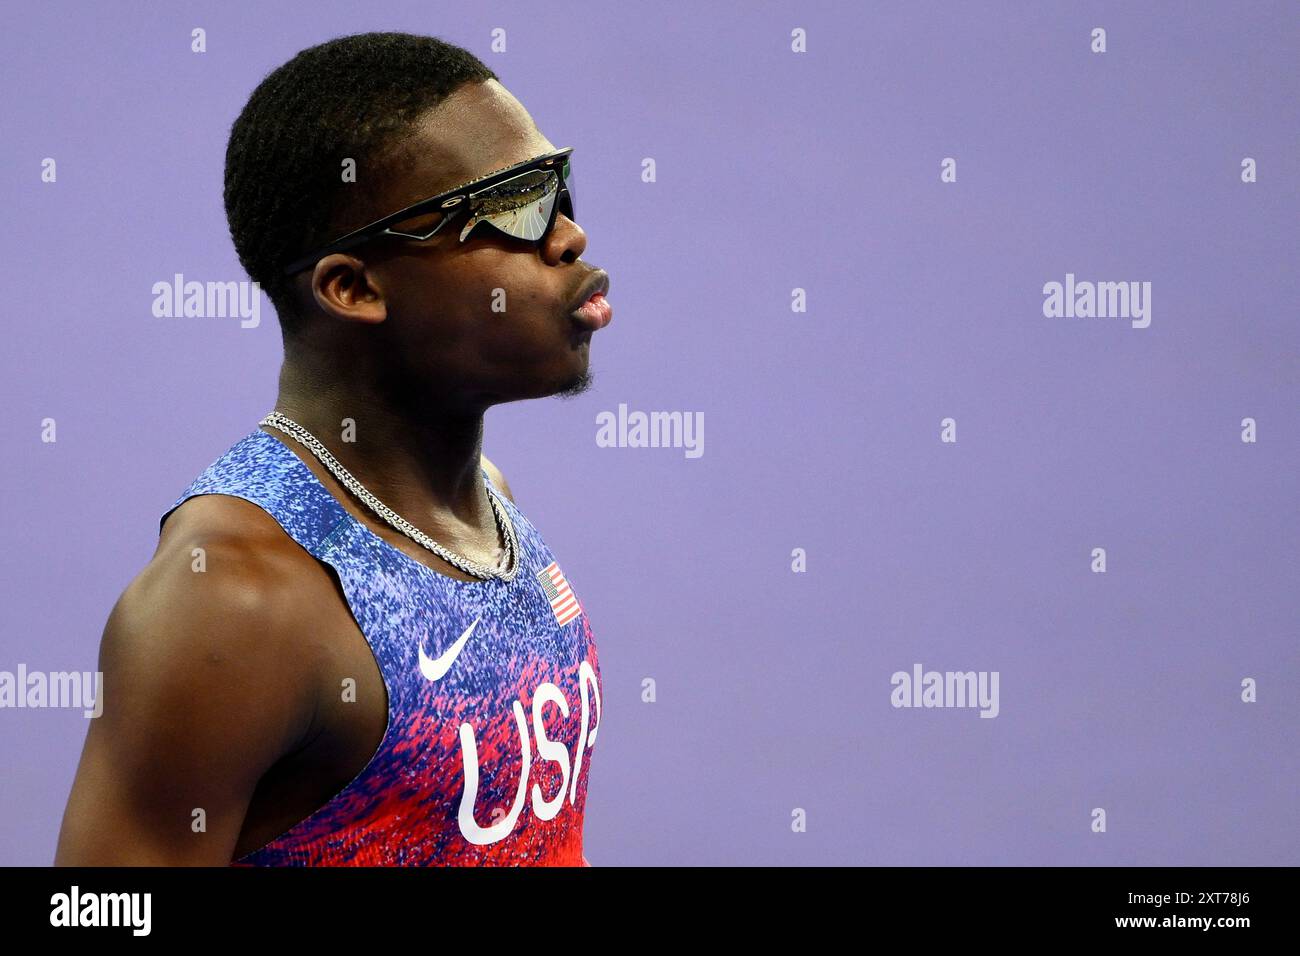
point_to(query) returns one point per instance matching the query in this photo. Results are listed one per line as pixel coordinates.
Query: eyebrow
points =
(501, 169)
(467, 184)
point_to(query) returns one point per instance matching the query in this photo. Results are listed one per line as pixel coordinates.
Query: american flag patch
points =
(564, 603)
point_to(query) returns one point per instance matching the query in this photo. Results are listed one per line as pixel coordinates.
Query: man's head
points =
(480, 321)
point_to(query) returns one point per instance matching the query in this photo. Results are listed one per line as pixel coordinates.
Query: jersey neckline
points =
(352, 523)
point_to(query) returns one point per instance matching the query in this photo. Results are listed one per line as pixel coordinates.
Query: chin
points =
(575, 385)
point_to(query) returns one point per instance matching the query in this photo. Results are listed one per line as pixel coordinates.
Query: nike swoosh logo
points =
(435, 668)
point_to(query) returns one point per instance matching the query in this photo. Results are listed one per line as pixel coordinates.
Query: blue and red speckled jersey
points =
(493, 690)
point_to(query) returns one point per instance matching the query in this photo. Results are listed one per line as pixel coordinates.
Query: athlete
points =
(351, 647)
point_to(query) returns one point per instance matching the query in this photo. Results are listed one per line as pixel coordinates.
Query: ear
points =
(344, 288)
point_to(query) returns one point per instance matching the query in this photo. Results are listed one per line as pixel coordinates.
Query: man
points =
(351, 647)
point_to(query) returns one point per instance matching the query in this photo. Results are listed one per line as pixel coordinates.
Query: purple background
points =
(775, 171)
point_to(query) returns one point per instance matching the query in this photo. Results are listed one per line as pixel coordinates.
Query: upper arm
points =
(200, 696)
(498, 479)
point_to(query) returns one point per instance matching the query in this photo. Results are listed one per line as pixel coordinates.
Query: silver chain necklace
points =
(296, 431)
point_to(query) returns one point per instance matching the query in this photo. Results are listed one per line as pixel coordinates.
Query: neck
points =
(420, 458)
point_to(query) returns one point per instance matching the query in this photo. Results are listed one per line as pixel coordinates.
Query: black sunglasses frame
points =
(449, 203)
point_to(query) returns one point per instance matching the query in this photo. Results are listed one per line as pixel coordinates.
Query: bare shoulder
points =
(231, 547)
(225, 557)
(205, 686)
(220, 604)
(498, 479)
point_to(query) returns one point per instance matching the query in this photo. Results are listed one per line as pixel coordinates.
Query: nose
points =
(566, 242)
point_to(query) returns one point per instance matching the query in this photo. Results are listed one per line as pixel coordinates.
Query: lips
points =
(590, 308)
(595, 312)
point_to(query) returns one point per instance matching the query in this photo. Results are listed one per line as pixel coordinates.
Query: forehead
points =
(477, 130)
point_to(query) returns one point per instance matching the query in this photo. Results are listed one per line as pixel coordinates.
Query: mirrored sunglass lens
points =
(568, 185)
(519, 207)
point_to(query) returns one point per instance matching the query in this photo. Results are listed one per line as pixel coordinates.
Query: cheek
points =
(480, 293)
(514, 303)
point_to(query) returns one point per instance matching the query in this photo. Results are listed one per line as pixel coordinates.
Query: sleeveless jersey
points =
(494, 694)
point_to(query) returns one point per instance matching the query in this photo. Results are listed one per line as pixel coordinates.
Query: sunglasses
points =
(520, 201)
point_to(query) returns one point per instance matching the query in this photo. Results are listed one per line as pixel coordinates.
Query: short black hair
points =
(354, 96)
